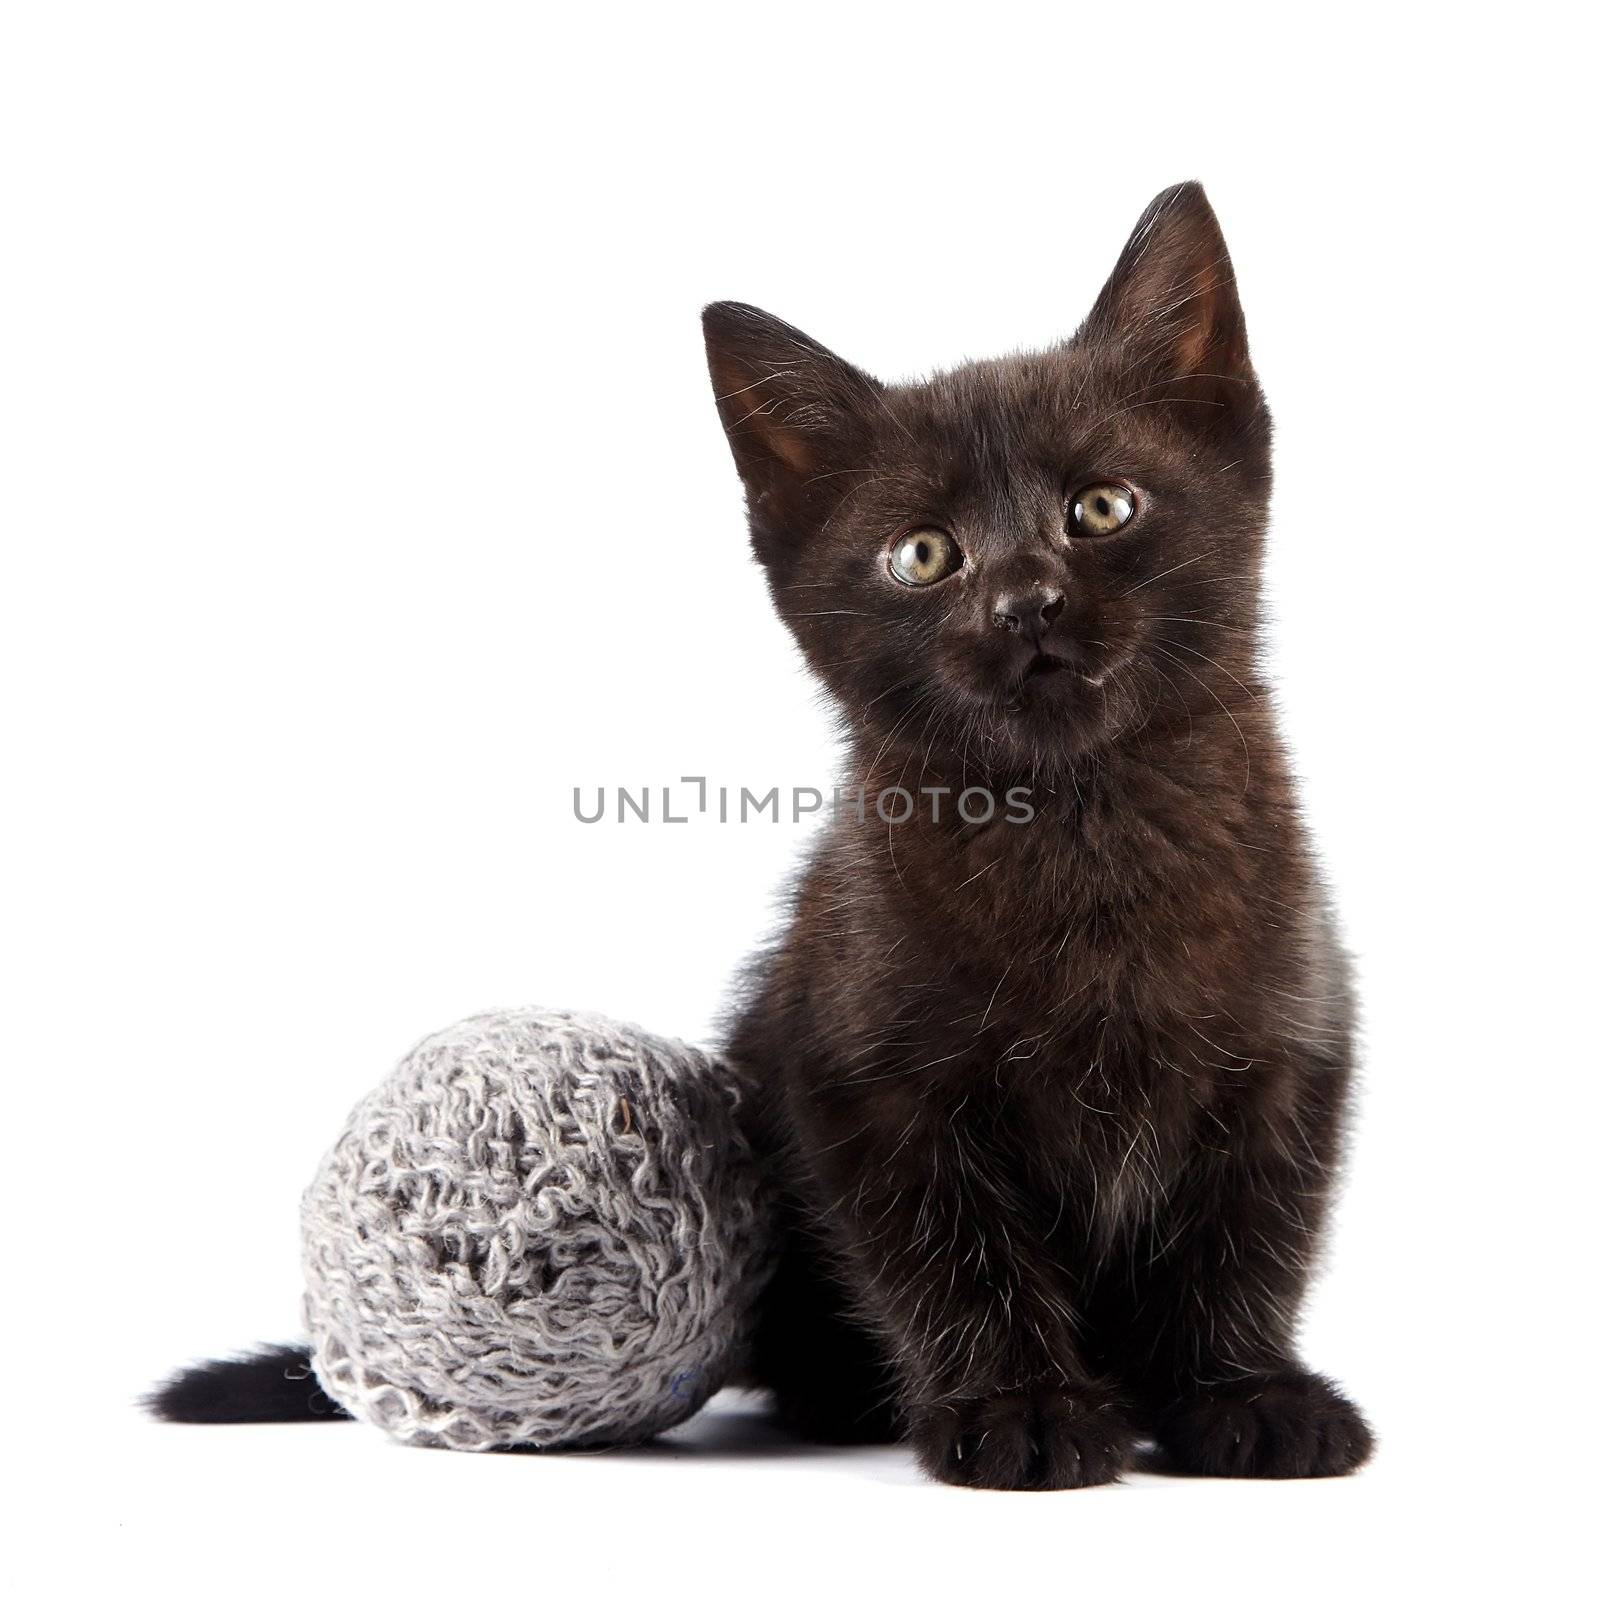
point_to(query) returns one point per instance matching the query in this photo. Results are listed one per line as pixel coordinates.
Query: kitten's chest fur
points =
(1082, 1005)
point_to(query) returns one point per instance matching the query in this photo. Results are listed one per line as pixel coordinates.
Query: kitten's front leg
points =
(937, 1246)
(1229, 1396)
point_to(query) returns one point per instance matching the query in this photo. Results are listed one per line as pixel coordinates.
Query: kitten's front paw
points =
(1289, 1425)
(1024, 1439)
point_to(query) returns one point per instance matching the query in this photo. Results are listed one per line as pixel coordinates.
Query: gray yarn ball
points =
(544, 1228)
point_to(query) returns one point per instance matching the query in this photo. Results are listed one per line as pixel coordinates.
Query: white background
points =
(363, 494)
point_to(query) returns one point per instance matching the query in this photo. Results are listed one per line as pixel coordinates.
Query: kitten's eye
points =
(924, 556)
(1101, 508)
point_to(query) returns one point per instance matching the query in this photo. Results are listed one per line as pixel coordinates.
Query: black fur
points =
(272, 1384)
(1056, 1106)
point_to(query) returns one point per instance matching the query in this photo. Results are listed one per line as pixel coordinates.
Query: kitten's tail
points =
(272, 1384)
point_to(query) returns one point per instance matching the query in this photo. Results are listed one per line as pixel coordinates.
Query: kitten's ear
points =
(796, 416)
(1172, 306)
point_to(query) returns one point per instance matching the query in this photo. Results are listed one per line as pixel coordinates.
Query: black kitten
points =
(1056, 1103)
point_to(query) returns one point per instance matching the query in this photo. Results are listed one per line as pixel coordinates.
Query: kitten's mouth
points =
(1045, 671)
(1043, 665)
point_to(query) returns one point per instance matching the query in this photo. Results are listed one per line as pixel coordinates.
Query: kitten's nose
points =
(1028, 611)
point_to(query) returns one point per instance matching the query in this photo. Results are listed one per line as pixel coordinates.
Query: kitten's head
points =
(1022, 558)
